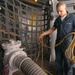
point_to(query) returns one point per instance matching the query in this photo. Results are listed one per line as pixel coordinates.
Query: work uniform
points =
(63, 28)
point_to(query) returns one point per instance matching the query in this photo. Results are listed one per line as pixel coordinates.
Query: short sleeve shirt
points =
(65, 27)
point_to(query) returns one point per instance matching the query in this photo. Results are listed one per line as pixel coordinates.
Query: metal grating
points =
(20, 21)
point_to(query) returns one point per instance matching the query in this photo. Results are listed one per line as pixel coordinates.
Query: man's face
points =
(61, 11)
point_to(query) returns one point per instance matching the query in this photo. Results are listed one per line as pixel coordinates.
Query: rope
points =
(42, 61)
(70, 47)
(69, 50)
(59, 42)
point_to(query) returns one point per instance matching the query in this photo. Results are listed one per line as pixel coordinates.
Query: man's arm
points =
(47, 32)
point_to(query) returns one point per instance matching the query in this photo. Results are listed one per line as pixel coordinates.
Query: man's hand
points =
(41, 36)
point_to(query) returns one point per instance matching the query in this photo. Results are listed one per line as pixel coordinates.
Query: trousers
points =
(62, 63)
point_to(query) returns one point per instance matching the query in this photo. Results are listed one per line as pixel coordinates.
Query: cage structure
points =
(21, 21)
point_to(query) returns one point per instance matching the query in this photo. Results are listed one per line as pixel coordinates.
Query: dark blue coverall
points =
(63, 28)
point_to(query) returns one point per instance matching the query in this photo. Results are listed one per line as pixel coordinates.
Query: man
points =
(65, 24)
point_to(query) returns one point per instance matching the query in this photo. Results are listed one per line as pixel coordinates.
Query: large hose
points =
(27, 66)
(16, 58)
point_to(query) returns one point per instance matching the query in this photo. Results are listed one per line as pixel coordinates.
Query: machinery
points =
(25, 20)
(16, 58)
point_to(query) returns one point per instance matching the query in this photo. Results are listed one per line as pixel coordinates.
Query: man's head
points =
(61, 9)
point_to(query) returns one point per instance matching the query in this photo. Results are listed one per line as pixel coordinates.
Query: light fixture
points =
(35, 0)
